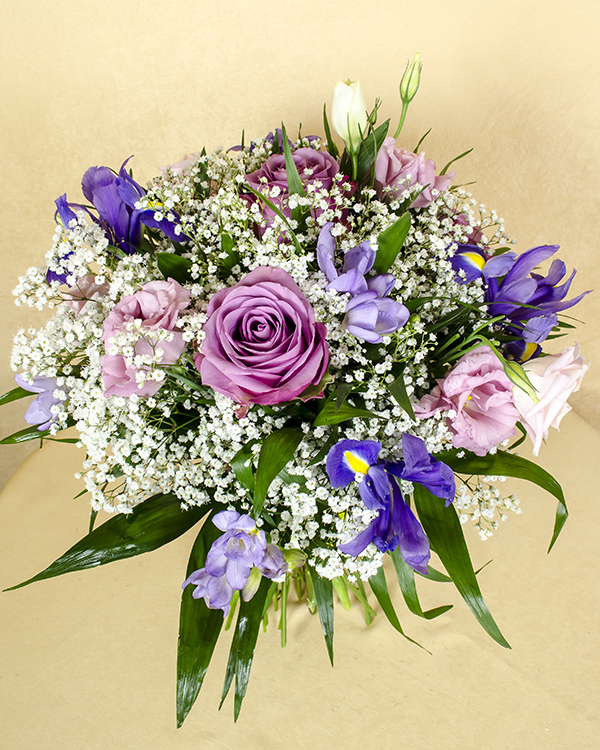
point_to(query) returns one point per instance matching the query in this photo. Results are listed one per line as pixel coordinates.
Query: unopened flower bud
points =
(349, 114)
(411, 79)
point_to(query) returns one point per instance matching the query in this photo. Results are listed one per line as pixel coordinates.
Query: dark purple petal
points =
(359, 543)
(341, 468)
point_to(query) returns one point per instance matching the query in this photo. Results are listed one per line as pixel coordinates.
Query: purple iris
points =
(370, 314)
(114, 197)
(395, 525)
(40, 410)
(530, 302)
(475, 263)
(232, 559)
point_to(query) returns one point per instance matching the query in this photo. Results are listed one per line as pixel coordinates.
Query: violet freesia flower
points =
(40, 410)
(530, 302)
(395, 524)
(232, 560)
(370, 314)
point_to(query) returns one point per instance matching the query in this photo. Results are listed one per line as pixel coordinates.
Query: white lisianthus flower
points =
(349, 114)
(554, 378)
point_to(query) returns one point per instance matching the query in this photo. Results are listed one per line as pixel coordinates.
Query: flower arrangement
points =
(320, 359)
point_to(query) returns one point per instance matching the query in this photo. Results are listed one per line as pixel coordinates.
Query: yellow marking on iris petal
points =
(530, 350)
(476, 259)
(356, 464)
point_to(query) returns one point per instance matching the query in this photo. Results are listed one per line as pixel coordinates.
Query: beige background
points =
(88, 661)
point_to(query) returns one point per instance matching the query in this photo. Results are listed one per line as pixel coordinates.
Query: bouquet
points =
(319, 359)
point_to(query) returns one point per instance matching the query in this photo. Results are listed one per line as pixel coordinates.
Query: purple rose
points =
(312, 166)
(262, 344)
(400, 169)
(148, 313)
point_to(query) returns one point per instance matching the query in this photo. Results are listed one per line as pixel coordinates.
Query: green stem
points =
(285, 590)
(402, 118)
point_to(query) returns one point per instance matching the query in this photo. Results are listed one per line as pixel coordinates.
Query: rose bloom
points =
(554, 378)
(262, 344)
(400, 169)
(321, 165)
(478, 394)
(156, 306)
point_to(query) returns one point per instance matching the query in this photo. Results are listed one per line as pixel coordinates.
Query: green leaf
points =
(508, 465)
(456, 158)
(330, 415)
(14, 395)
(382, 594)
(199, 628)
(368, 150)
(174, 266)
(22, 436)
(406, 579)
(278, 448)
(233, 257)
(444, 531)
(435, 575)
(342, 393)
(331, 147)
(243, 645)
(277, 211)
(323, 593)
(243, 467)
(390, 243)
(398, 391)
(150, 525)
(295, 186)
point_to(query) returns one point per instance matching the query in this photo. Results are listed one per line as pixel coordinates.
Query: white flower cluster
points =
(183, 439)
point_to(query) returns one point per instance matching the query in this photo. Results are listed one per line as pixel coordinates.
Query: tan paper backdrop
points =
(87, 83)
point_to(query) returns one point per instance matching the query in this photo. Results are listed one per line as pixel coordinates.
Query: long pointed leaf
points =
(323, 591)
(382, 594)
(278, 448)
(444, 531)
(244, 642)
(398, 391)
(369, 149)
(406, 579)
(14, 395)
(150, 525)
(507, 464)
(332, 414)
(390, 243)
(22, 436)
(199, 629)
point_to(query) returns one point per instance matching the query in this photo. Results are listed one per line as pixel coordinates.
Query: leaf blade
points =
(444, 531)
(390, 242)
(323, 591)
(507, 464)
(277, 449)
(199, 629)
(150, 525)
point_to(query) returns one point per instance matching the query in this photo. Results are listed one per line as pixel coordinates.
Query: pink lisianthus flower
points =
(262, 344)
(554, 378)
(150, 312)
(477, 394)
(86, 290)
(181, 166)
(399, 170)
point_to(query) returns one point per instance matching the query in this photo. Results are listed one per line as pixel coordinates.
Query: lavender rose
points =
(262, 344)
(149, 315)
(400, 169)
(312, 166)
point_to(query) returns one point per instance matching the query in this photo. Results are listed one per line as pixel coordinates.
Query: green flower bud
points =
(409, 85)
